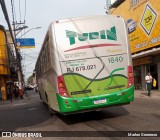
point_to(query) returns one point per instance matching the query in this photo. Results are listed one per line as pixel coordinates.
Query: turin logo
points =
(103, 34)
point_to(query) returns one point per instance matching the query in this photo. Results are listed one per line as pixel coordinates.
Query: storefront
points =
(143, 65)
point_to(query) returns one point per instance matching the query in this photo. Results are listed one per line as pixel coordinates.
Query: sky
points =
(40, 13)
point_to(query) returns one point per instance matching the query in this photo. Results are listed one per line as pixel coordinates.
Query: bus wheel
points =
(51, 111)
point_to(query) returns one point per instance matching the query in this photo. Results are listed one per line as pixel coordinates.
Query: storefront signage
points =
(143, 23)
(4, 67)
(143, 61)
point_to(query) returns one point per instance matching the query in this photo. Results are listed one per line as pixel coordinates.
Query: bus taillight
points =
(130, 76)
(62, 87)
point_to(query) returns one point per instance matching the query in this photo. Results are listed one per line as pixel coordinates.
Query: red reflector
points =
(129, 69)
(62, 87)
(66, 101)
(130, 76)
(130, 79)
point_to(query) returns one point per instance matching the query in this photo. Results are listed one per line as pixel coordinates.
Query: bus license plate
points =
(100, 101)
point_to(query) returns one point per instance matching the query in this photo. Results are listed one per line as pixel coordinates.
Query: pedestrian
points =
(25, 92)
(17, 91)
(148, 80)
(8, 92)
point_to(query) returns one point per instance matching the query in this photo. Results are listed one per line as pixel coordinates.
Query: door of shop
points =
(137, 77)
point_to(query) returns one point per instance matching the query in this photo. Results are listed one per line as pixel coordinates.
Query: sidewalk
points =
(31, 94)
(13, 101)
(143, 93)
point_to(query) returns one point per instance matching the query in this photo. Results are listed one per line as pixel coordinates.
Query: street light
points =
(30, 30)
(20, 28)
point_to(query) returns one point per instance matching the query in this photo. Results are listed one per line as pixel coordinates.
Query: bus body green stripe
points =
(111, 75)
(77, 104)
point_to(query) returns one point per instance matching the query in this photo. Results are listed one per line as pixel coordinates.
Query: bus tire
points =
(51, 111)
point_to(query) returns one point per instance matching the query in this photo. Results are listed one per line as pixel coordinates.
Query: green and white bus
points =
(85, 64)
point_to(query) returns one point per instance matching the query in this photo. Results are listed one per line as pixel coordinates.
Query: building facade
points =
(143, 24)
(6, 65)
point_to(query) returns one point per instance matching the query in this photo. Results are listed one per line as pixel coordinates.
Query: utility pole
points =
(20, 73)
(108, 4)
(18, 56)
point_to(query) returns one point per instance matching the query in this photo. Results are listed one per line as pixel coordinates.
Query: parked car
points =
(131, 25)
(28, 87)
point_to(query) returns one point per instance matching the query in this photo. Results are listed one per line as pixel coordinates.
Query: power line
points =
(18, 56)
(20, 10)
(25, 11)
(7, 18)
(14, 11)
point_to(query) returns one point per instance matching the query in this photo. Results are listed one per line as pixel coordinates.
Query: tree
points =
(30, 80)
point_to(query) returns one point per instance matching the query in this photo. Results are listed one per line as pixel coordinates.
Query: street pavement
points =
(143, 114)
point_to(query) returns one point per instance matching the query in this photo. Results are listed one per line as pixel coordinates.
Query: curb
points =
(143, 94)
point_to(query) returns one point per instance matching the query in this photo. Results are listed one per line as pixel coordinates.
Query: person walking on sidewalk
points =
(25, 92)
(148, 80)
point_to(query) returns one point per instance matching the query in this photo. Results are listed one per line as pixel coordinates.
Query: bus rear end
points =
(95, 61)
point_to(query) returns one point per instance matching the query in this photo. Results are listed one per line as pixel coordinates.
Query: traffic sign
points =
(148, 19)
(25, 43)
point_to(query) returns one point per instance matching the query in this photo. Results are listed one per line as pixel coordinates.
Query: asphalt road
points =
(32, 115)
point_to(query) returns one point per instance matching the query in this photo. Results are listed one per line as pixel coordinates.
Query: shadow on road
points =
(23, 115)
(108, 113)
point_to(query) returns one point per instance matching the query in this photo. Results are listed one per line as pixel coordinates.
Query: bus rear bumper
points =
(73, 105)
